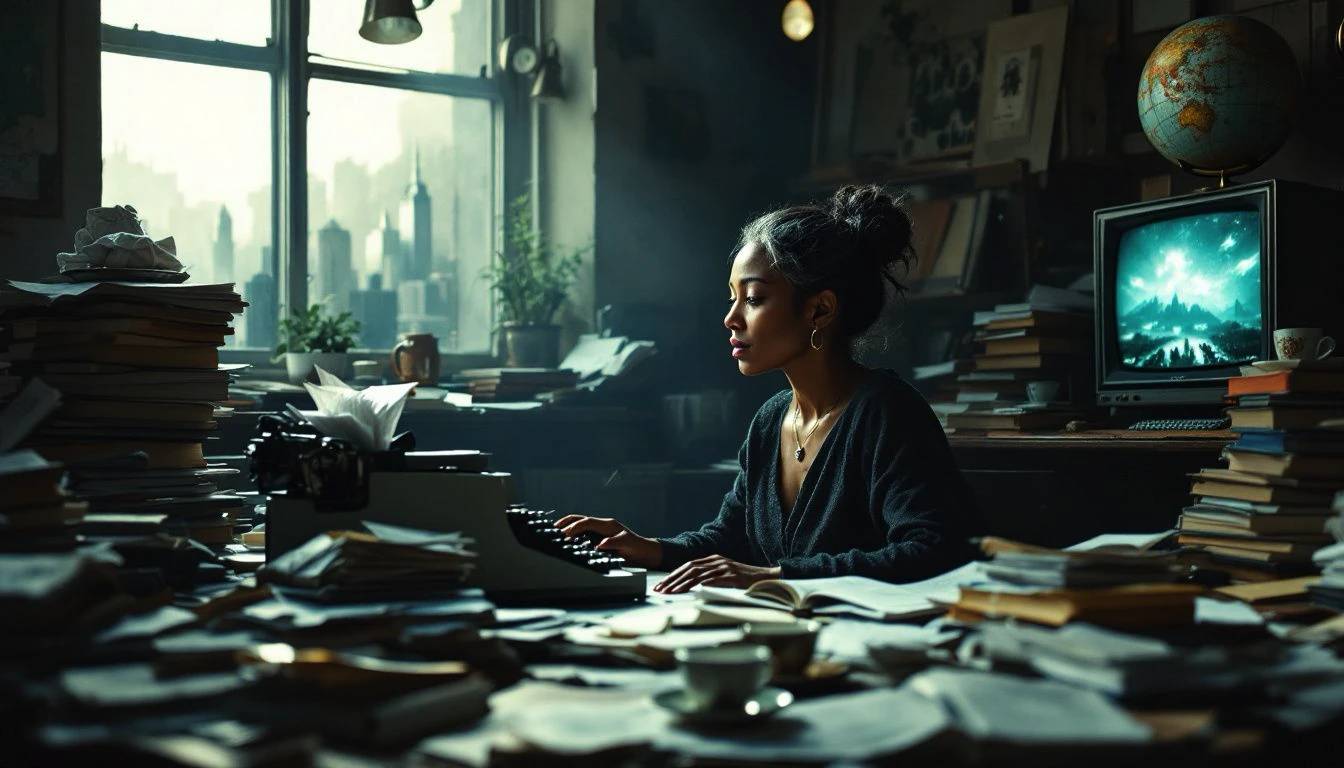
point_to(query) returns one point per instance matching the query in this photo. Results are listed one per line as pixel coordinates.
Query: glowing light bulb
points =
(798, 20)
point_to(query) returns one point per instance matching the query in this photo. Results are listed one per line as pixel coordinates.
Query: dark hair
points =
(850, 244)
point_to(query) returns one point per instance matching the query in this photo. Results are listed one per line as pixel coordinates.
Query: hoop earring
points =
(812, 339)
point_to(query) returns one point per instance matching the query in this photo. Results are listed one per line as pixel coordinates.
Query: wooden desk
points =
(1059, 488)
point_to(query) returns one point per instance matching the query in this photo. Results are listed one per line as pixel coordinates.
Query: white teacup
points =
(725, 676)
(1302, 344)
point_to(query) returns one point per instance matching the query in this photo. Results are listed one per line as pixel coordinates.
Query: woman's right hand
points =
(615, 538)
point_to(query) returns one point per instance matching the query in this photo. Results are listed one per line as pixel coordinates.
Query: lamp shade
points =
(797, 20)
(547, 85)
(389, 22)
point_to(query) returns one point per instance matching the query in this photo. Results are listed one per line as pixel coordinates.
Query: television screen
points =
(1187, 291)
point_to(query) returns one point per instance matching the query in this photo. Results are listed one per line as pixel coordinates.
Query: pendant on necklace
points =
(799, 454)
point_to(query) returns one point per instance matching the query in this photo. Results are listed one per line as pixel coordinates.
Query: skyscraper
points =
(384, 248)
(376, 311)
(416, 224)
(335, 279)
(222, 260)
(262, 317)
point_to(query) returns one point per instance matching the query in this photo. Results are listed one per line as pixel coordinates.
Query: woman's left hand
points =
(716, 571)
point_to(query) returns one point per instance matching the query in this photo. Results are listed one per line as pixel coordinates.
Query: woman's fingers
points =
(693, 577)
(621, 542)
(689, 574)
(600, 526)
(672, 578)
(567, 519)
(681, 572)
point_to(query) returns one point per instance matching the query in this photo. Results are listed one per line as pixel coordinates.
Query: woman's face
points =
(765, 329)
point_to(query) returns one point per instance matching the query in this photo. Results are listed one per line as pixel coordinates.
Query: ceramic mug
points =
(1302, 344)
(724, 676)
(416, 358)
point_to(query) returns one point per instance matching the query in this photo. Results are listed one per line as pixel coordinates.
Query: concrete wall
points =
(566, 153)
(28, 245)
(704, 118)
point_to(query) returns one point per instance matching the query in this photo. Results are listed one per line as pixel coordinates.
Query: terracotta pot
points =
(416, 358)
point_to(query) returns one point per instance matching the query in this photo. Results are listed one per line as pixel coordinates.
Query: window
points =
(403, 172)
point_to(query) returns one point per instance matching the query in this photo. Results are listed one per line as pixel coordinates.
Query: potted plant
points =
(531, 278)
(313, 337)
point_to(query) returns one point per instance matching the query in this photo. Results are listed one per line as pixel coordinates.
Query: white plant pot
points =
(299, 364)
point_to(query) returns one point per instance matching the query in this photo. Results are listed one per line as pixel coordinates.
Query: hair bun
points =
(878, 221)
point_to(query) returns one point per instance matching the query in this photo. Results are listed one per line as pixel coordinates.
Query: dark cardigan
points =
(883, 497)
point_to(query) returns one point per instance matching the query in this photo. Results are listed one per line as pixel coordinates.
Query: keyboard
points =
(535, 529)
(1153, 425)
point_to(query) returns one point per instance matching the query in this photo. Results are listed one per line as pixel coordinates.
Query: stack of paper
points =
(391, 561)
(34, 505)
(511, 384)
(137, 369)
(1134, 666)
(48, 599)
(1016, 563)
(1055, 587)
(1329, 591)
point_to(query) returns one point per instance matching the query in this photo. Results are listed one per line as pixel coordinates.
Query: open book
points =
(865, 597)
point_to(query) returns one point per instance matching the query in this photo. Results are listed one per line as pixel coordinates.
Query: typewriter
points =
(316, 485)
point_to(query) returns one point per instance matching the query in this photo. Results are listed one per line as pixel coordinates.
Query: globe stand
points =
(1223, 175)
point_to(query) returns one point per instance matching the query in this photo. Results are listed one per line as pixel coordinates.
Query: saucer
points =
(1270, 366)
(762, 705)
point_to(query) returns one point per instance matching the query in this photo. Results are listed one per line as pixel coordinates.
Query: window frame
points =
(285, 58)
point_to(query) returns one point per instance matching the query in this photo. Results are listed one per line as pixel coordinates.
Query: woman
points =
(845, 472)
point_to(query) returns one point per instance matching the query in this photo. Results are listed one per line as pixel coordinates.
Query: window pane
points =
(237, 21)
(189, 146)
(455, 37)
(400, 211)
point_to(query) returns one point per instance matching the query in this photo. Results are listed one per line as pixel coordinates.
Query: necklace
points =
(799, 453)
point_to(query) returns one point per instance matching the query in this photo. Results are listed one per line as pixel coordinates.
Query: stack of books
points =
(391, 562)
(34, 508)
(508, 384)
(137, 369)
(1042, 339)
(1270, 508)
(1055, 587)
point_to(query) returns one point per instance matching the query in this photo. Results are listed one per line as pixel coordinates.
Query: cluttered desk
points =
(402, 604)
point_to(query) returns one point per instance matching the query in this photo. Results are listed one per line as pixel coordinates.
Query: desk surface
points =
(1110, 439)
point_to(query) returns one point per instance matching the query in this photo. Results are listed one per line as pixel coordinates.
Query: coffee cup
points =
(1042, 391)
(1302, 344)
(791, 645)
(368, 369)
(723, 677)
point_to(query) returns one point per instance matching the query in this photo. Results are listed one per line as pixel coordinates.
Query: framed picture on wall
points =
(30, 119)
(1024, 57)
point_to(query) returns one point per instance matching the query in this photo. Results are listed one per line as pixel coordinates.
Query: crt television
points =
(1190, 288)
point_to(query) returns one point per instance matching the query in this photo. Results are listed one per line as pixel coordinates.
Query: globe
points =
(1218, 95)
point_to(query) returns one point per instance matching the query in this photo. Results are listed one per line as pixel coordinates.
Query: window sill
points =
(450, 361)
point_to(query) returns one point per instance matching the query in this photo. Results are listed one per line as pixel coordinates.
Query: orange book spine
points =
(1258, 385)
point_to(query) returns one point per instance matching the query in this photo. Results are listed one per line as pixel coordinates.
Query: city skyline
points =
(186, 164)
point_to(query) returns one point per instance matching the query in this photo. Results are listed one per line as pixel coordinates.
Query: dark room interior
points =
(364, 398)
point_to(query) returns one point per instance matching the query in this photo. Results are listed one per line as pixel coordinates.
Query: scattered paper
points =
(366, 417)
(113, 236)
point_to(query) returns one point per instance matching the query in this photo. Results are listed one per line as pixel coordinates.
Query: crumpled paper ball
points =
(114, 237)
